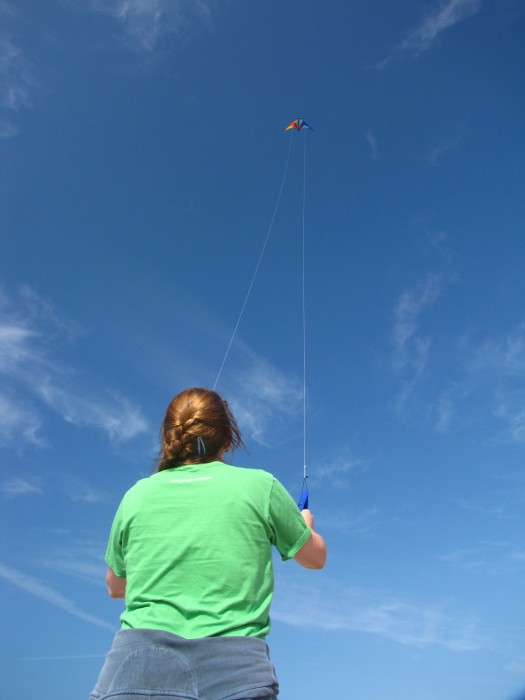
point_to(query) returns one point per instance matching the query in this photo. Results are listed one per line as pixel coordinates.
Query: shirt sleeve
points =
(115, 552)
(289, 530)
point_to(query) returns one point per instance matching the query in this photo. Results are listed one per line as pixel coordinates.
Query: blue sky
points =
(142, 154)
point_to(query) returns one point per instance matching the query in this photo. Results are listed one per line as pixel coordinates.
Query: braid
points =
(197, 428)
(171, 443)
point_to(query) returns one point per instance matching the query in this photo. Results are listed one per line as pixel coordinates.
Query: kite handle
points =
(302, 503)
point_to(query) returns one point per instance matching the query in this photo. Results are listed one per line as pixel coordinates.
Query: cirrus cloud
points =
(146, 22)
(36, 378)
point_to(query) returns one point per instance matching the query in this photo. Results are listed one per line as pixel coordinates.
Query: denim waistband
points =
(153, 664)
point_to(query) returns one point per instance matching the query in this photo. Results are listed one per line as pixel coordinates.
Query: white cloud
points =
(146, 22)
(410, 349)
(516, 666)
(358, 524)
(28, 331)
(490, 385)
(261, 398)
(116, 416)
(15, 346)
(336, 471)
(20, 487)
(437, 153)
(45, 592)
(505, 356)
(446, 15)
(335, 607)
(372, 141)
(15, 75)
(38, 310)
(81, 492)
(510, 410)
(495, 509)
(81, 559)
(518, 556)
(18, 423)
(7, 129)
(445, 414)
(16, 79)
(487, 557)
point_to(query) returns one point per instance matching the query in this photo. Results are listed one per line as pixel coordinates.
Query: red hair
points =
(198, 428)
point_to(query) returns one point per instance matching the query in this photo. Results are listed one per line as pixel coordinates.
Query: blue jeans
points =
(155, 665)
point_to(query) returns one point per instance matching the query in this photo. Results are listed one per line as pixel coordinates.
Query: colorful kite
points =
(298, 124)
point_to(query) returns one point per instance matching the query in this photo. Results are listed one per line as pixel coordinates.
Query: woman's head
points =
(198, 427)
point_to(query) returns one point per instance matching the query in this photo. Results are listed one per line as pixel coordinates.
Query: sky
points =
(142, 156)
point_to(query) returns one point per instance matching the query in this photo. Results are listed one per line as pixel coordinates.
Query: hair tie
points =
(201, 447)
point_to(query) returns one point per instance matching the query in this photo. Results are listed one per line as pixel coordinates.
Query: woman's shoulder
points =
(250, 476)
(138, 488)
(250, 472)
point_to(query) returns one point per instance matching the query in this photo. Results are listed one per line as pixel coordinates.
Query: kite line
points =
(256, 267)
(300, 124)
(297, 124)
(303, 500)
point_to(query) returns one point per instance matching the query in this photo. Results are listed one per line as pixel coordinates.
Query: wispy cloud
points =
(445, 16)
(81, 559)
(516, 666)
(17, 79)
(146, 22)
(490, 385)
(372, 142)
(335, 472)
(438, 152)
(15, 348)
(335, 607)
(518, 556)
(20, 487)
(493, 558)
(29, 330)
(510, 410)
(261, 397)
(496, 509)
(503, 356)
(45, 592)
(354, 524)
(114, 415)
(16, 76)
(424, 35)
(80, 492)
(18, 423)
(410, 348)
(440, 241)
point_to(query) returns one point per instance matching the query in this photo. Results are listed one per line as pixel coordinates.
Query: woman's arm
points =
(116, 585)
(312, 554)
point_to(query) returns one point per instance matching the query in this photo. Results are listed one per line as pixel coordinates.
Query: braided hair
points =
(198, 428)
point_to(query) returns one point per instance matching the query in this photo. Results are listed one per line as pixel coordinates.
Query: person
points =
(190, 550)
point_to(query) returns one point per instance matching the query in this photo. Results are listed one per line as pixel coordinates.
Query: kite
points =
(298, 124)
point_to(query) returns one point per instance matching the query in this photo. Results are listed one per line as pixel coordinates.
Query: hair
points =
(197, 428)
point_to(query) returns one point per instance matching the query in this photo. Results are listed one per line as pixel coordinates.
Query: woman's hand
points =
(312, 554)
(116, 585)
(308, 518)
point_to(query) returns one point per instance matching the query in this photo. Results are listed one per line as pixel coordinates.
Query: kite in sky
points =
(298, 124)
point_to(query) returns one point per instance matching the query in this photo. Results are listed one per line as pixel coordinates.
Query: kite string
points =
(305, 475)
(257, 266)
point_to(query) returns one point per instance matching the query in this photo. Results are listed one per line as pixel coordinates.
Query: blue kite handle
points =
(303, 500)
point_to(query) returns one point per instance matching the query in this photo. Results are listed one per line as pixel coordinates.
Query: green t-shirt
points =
(195, 545)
